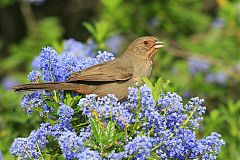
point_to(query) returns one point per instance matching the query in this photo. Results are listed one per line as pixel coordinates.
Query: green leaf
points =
(91, 143)
(109, 133)
(75, 100)
(117, 136)
(110, 129)
(158, 87)
(89, 27)
(147, 82)
(111, 4)
(52, 104)
(96, 130)
(68, 99)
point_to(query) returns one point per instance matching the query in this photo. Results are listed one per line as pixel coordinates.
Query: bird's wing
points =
(116, 70)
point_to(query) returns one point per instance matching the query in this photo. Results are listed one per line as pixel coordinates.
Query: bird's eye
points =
(145, 42)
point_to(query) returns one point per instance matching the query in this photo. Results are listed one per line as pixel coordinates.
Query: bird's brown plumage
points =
(113, 77)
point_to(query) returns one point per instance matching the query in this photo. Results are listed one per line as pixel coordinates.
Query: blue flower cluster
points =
(140, 147)
(114, 43)
(218, 23)
(197, 65)
(32, 100)
(9, 82)
(79, 49)
(30, 147)
(36, 1)
(218, 78)
(169, 123)
(162, 129)
(1, 157)
(70, 144)
(65, 114)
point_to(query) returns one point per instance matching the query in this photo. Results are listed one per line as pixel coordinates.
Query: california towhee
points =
(112, 77)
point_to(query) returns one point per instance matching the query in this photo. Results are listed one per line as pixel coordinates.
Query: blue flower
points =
(32, 100)
(9, 82)
(196, 108)
(218, 23)
(100, 58)
(65, 114)
(67, 65)
(34, 76)
(154, 22)
(1, 157)
(133, 96)
(85, 133)
(23, 148)
(28, 148)
(165, 128)
(146, 97)
(218, 78)
(70, 144)
(178, 146)
(197, 65)
(171, 105)
(36, 63)
(115, 156)
(39, 136)
(105, 107)
(115, 43)
(36, 1)
(78, 49)
(57, 130)
(139, 147)
(208, 147)
(102, 105)
(65, 111)
(104, 56)
(88, 154)
(88, 62)
(48, 64)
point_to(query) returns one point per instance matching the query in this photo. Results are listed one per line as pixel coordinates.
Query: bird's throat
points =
(151, 55)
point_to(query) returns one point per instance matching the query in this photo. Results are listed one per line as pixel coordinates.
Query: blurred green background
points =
(201, 56)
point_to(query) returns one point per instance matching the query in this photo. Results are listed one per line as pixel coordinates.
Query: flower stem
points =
(137, 114)
(135, 124)
(39, 151)
(28, 154)
(187, 120)
(55, 97)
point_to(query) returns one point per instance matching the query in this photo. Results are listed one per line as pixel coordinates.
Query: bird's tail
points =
(47, 86)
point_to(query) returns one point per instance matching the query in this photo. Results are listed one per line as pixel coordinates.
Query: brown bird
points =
(112, 77)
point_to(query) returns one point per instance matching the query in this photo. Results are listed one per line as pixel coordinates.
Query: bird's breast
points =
(144, 69)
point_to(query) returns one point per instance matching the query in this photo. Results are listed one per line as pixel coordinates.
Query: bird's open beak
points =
(158, 44)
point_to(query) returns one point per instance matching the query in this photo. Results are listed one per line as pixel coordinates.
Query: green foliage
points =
(175, 18)
(71, 101)
(6, 2)
(103, 138)
(116, 13)
(21, 55)
(158, 88)
(99, 31)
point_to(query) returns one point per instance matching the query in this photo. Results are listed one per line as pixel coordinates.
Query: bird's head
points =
(145, 47)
